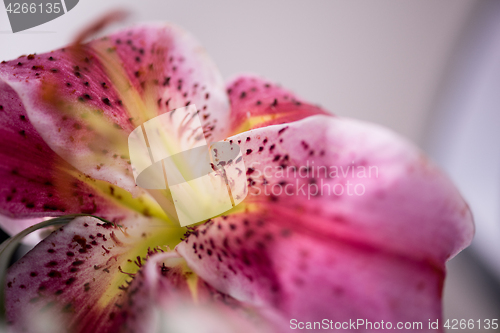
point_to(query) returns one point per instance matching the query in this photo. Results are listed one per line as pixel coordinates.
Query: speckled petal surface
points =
(36, 182)
(375, 251)
(77, 279)
(84, 100)
(174, 299)
(257, 102)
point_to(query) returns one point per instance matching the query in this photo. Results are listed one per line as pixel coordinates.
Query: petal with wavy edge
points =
(84, 100)
(74, 277)
(376, 255)
(256, 102)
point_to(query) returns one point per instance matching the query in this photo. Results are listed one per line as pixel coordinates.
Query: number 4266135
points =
(24, 8)
(462, 324)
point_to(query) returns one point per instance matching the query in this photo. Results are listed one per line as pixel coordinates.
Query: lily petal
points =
(256, 102)
(83, 100)
(172, 296)
(78, 277)
(36, 182)
(377, 255)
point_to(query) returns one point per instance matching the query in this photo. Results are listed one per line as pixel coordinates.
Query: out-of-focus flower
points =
(343, 220)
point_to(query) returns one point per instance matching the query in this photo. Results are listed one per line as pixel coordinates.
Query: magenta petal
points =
(180, 73)
(186, 303)
(256, 102)
(36, 182)
(309, 255)
(77, 278)
(84, 101)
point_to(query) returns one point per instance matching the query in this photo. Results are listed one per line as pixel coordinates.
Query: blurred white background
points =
(389, 62)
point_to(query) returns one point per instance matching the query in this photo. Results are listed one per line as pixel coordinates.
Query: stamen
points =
(129, 274)
(138, 262)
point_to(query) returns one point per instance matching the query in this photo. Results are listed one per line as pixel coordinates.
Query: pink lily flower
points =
(344, 221)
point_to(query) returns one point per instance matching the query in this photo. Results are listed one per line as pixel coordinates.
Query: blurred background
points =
(428, 69)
